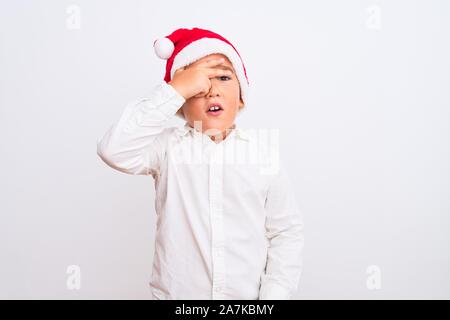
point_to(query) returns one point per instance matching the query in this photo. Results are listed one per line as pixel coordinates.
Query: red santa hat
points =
(185, 46)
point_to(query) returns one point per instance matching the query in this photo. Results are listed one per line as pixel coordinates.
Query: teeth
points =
(214, 108)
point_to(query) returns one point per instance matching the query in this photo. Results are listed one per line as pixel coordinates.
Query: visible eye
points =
(224, 77)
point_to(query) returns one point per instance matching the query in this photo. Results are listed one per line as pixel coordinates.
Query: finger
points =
(199, 95)
(206, 88)
(202, 93)
(179, 70)
(217, 72)
(212, 62)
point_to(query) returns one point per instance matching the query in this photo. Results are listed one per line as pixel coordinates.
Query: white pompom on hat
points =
(164, 48)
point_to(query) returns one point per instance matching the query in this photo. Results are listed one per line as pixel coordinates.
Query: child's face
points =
(225, 91)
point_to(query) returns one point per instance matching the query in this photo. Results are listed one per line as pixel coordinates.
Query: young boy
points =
(226, 228)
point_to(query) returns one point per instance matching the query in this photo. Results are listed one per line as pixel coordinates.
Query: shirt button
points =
(217, 289)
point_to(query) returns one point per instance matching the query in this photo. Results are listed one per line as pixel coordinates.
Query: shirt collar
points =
(240, 133)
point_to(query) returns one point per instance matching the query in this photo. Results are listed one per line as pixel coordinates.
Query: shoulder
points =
(174, 135)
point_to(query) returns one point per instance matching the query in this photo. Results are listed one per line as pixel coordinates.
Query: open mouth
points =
(215, 109)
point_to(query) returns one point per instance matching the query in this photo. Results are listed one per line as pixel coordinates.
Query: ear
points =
(241, 103)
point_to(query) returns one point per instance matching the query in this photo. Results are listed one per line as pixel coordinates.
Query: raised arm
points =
(284, 229)
(136, 143)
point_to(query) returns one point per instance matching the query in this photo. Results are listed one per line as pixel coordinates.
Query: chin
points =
(214, 125)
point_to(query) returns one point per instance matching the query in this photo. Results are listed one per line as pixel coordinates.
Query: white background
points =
(360, 91)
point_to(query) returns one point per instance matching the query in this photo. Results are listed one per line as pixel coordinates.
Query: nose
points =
(213, 91)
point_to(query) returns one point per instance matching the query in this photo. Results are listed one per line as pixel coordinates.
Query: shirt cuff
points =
(273, 291)
(163, 98)
(170, 93)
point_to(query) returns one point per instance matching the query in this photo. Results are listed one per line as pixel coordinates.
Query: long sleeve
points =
(136, 143)
(284, 230)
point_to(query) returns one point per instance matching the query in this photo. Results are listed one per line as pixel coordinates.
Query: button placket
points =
(216, 215)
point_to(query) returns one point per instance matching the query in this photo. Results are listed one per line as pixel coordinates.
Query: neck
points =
(217, 138)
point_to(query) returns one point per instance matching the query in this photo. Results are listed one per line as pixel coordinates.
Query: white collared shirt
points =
(228, 226)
